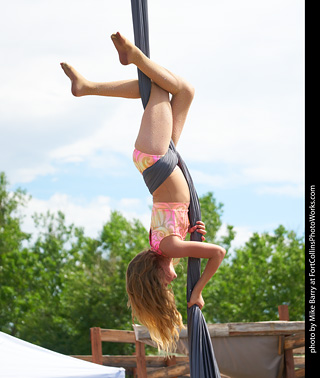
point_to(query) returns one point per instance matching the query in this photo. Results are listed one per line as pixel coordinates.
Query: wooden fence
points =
(291, 347)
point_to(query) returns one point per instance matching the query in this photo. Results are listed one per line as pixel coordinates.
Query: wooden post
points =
(134, 369)
(96, 345)
(289, 362)
(141, 360)
(171, 361)
(283, 312)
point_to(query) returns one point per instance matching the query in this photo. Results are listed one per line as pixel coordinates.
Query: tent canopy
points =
(20, 359)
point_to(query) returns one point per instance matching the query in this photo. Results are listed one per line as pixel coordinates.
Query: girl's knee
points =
(222, 253)
(186, 91)
(189, 90)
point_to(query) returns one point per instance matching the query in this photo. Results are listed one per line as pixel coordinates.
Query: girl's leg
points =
(162, 120)
(156, 124)
(80, 86)
(182, 92)
(180, 104)
(130, 54)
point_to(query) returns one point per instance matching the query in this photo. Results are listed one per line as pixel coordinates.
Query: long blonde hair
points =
(153, 303)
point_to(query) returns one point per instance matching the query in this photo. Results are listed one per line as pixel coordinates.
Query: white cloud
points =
(256, 143)
(243, 234)
(91, 215)
(283, 190)
(245, 59)
(28, 174)
(135, 208)
(116, 134)
(215, 180)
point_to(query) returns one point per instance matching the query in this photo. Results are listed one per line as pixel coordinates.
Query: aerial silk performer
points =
(174, 212)
(201, 356)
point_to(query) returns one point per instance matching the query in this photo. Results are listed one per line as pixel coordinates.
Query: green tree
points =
(54, 258)
(15, 264)
(96, 295)
(81, 282)
(266, 272)
(60, 283)
(57, 285)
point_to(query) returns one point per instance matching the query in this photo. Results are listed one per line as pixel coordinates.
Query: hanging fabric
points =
(201, 355)
(141, 39)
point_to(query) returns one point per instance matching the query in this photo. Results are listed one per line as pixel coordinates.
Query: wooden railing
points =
(291, 347)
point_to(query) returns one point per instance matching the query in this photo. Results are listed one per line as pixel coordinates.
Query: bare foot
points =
(79, 84)
(128, 53)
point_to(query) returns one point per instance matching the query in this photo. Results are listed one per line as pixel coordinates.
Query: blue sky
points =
(244, 137)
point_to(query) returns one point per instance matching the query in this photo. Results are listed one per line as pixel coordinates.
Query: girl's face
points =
(169, 272)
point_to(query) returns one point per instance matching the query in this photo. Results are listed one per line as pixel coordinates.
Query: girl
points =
(150, 272)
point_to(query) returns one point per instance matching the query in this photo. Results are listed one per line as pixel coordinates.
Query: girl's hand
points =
(196, 298)
(199, 227)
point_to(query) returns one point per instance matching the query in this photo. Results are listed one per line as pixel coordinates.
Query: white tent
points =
(20, 359)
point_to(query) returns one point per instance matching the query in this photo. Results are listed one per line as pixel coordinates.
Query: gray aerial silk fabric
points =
(201, 355)
(139, 10)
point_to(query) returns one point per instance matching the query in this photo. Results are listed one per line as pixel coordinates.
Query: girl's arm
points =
(209, 271)
(173, 246)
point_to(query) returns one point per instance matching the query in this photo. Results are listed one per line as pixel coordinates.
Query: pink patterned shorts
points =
(143, 161)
